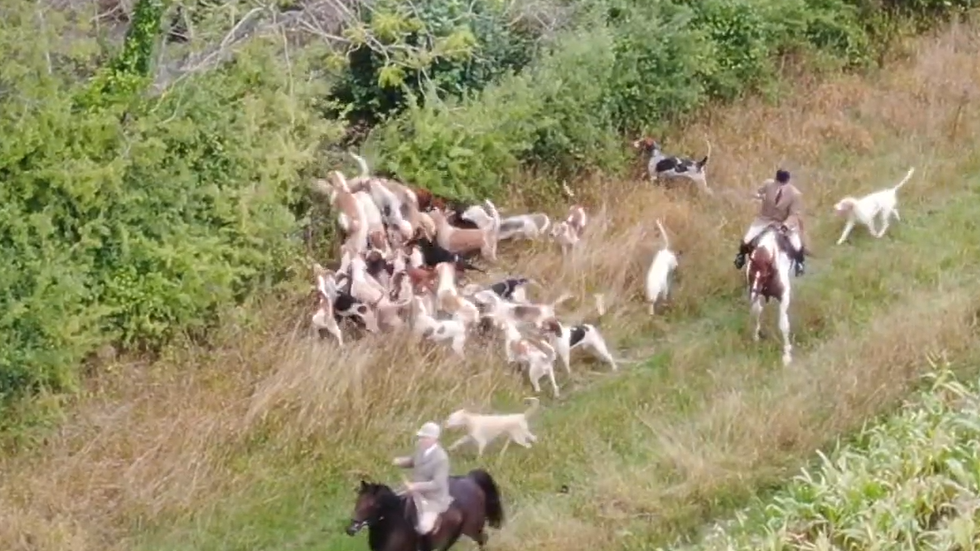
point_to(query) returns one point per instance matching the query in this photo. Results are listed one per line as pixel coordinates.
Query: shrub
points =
(127, 218)
(449, 46)
(557, 111)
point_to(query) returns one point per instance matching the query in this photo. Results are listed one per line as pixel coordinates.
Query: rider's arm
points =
(795, 209)
(440, 477)
(404, 462)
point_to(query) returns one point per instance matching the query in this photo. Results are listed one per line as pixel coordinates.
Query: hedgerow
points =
(911, 482)
(128, 218)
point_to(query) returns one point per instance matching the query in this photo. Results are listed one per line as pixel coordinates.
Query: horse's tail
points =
(494, 510)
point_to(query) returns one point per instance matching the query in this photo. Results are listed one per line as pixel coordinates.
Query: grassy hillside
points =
(259, 441)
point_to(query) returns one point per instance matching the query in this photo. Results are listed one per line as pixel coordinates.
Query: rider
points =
(782, 204)
(430, 481)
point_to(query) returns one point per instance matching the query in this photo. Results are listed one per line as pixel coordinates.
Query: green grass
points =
(305, 507)
(651, 453)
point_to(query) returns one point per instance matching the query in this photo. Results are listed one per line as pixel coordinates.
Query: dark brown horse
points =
(390, 518)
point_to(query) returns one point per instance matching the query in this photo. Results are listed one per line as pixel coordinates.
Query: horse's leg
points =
(784, 329)
(456, 531)
(757, 316)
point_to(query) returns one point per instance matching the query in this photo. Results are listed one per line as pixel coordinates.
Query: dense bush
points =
(399, 48)
(126, 218)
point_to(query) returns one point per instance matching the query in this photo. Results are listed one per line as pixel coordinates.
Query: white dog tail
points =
(495, 217)
(549, 350)
(704, 162)
(600, 303)
(562, 299)
(542, 221)
(567, 191)
(906, 179)
(533, 408)
(362, 164)
(663, 233)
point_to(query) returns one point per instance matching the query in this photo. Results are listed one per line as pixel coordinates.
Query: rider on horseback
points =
(781, 204)
(430, 481)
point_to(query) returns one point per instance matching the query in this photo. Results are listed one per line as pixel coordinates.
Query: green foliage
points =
(631, 66)
(449, 46)
(127, 74)
(133, 228)
(911, 482)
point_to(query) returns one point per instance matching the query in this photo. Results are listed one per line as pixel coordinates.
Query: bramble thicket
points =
(153, 180)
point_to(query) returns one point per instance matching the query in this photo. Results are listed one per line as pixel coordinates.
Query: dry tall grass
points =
(257, 444)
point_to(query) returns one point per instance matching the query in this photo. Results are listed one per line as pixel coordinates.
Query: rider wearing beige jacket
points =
(782, 204)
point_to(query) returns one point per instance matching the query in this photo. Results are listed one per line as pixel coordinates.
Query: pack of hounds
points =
(405, 251)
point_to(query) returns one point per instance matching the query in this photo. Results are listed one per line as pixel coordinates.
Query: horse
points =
(767, 275)
(390, 517)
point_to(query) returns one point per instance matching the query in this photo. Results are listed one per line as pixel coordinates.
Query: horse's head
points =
(370, 506)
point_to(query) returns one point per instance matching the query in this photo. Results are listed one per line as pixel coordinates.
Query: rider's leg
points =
(427, 521)
(797, 242)
(744, 247)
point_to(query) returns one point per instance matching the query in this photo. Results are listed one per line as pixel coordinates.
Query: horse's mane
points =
(387, 498)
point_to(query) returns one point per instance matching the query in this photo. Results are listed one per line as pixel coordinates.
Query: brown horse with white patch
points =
(767, 276)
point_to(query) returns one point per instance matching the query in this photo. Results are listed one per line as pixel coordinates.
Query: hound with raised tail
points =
(350, 214)
(428, 327)
(483, 429)
(537, 356)
(767, 276)
(536, 314)
(396, 201)
(524, 226)
(584, 335)
(324, 318)
(448, 298)
(663, 167)
(463, 241)
(865, 210)
(658, 276)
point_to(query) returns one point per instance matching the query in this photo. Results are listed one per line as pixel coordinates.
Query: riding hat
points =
(429, 430)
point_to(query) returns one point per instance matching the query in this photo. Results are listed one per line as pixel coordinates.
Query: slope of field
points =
(259, 444)
(913, 480)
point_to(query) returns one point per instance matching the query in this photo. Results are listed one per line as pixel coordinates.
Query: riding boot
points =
(740, 257)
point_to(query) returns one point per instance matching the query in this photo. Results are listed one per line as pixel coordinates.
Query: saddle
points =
(782, 237)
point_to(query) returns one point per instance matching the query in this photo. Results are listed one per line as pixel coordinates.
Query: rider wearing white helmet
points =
(430, 481)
